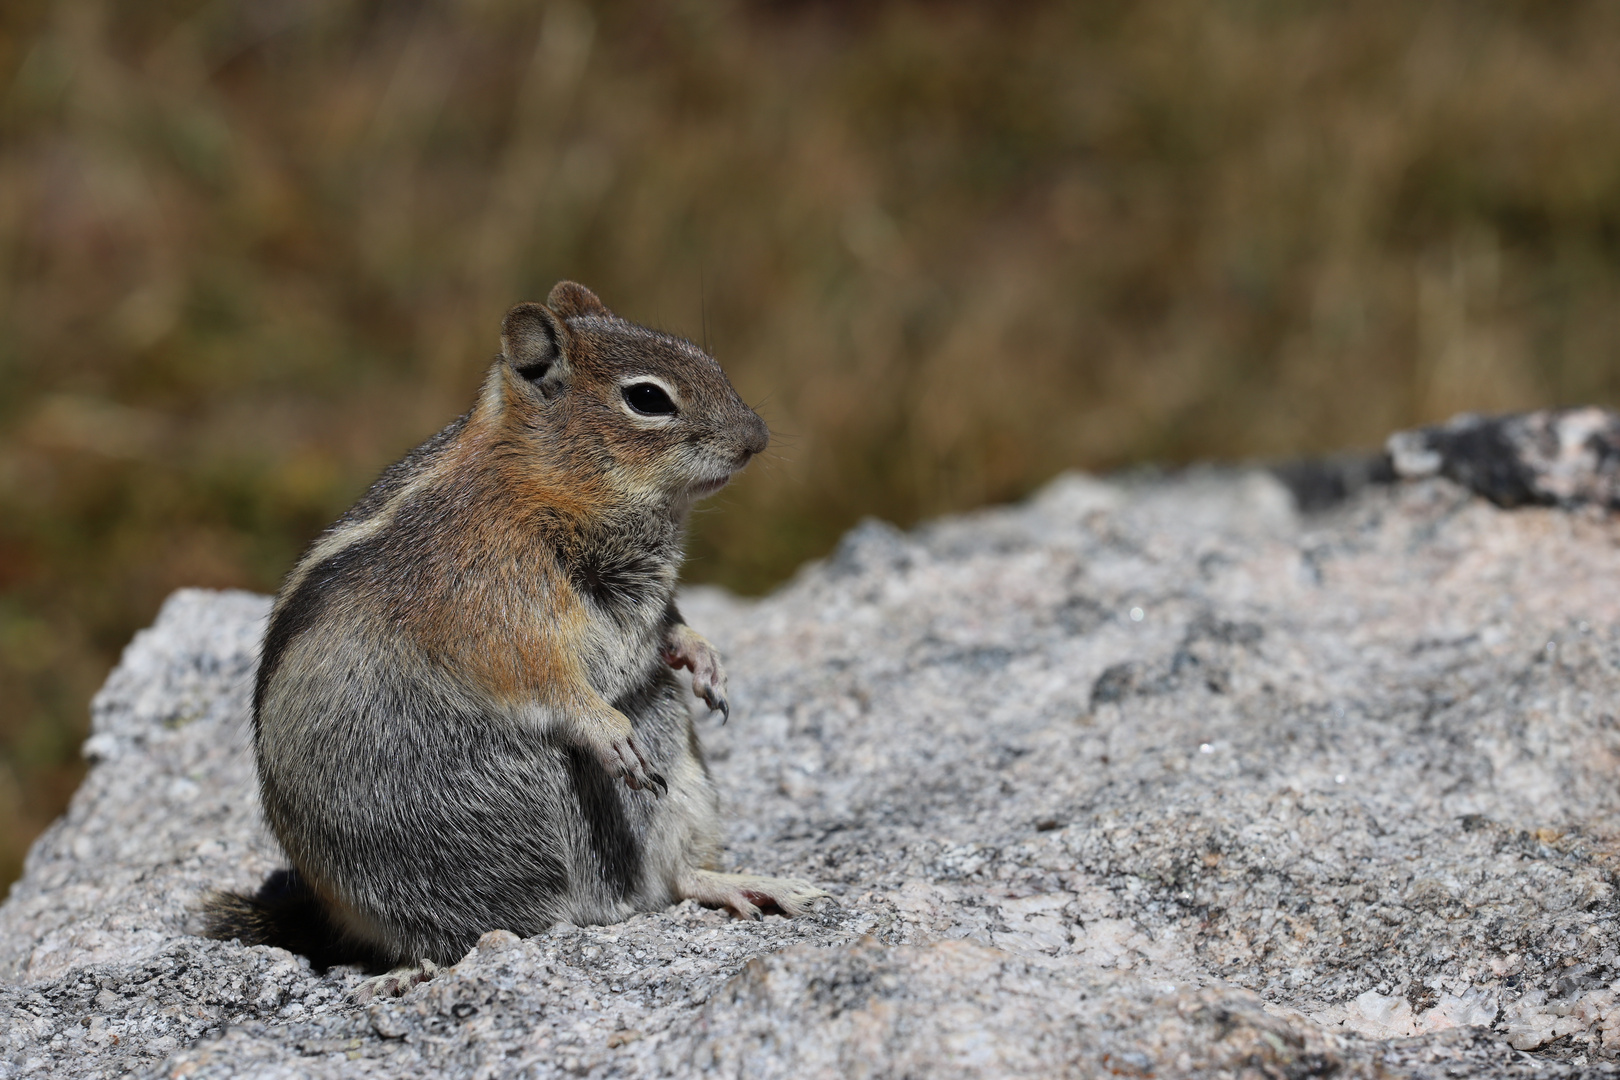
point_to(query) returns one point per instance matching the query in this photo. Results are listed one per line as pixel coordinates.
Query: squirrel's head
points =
(651, 415)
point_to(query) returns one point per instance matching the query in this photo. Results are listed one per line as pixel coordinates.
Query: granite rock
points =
(1557, 457)
(1152, 778)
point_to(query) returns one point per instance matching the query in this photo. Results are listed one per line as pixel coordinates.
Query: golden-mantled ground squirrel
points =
(458, 673)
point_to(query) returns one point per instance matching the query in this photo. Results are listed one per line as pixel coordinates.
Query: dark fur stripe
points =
(617, 848)
(619, 582)
(298, 610)
(397, 475)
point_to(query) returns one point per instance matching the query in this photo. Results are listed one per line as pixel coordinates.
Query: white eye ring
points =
(649, 419)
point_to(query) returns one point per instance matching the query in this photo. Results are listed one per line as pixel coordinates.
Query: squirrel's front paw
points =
(615, 747)
(686, 648)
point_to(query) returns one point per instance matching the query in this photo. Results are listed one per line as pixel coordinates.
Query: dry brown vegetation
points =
(252, 251)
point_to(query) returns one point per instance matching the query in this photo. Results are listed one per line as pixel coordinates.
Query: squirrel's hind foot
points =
(749, 896)
(395, 983)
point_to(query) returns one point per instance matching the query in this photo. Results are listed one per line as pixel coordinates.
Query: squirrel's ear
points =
(531, 341)
(570, 298)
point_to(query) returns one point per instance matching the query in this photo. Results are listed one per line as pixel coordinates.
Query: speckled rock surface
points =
(1558, 457)
(1152, 779)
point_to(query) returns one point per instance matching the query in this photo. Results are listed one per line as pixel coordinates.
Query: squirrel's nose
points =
(756, 438)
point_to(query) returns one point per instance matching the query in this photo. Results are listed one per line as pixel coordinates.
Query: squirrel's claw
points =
(686, 648)
(715, 698)
(642, 779)
(639, 775)
(623, 759)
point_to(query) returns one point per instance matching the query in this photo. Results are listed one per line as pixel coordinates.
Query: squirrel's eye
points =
(649, 399)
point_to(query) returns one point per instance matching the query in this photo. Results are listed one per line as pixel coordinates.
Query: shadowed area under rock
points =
(1138, 778)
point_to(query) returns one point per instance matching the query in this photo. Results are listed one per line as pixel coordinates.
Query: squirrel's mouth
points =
(704, 488)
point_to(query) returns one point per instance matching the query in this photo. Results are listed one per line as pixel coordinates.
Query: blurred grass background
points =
(252, 250)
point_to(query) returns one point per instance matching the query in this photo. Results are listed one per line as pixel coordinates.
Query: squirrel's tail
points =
(285, 912)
